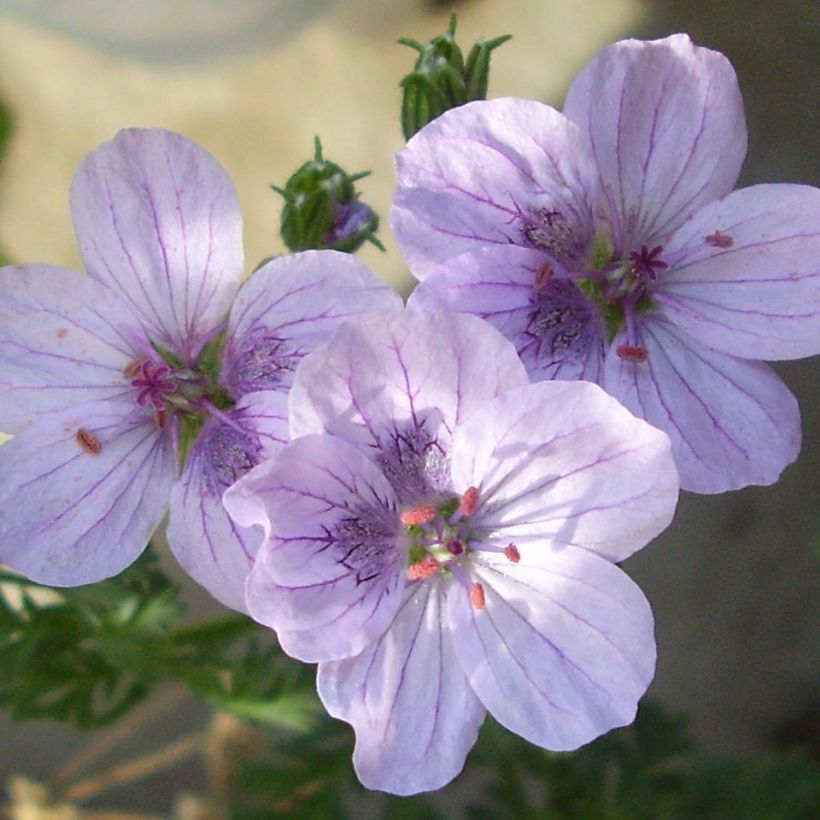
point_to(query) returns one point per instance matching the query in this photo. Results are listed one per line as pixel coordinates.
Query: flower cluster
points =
(155, 376)
(607, 244)
(430, 505)
(441, 536)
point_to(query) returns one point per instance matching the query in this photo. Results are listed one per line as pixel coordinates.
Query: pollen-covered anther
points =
(133, 368)
(469, 501)
(719, 240)
(477, 597)
(512, 554)
(632, 353)
(423, 569)
(414, 516)
(88, 441)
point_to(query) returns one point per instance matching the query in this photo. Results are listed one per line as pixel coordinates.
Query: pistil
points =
(442, 538)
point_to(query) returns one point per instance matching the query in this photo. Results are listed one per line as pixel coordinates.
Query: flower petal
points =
(556, 334)
(562, 463)
(290, 306)
(158, 222)
(486, 173)
(81, 491)
(732, 422)
(58, 343)
(405, 695)
(563, 649)
(665, 125)
(215, 551)
(388, 373)
(330, 575)
(747, 276)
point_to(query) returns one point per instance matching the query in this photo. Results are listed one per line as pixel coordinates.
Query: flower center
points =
(645, 263)
(264, 363)
(442, 538)
(170, 389)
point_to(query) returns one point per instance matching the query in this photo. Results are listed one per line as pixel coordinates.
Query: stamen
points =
(88, 441)
(469, 501)
(160, 417)
(418, 515)
(455, 547)
(512, 554)
(423, 569)
(477, 597)
(719, 240)
(632, 353)
(133, 369)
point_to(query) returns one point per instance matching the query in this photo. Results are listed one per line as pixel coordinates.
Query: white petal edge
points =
(405, 695)
(563, 650)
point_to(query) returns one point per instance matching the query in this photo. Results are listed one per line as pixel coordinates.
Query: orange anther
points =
(88, 441)
(632, 353)
(418, 515)
(512, 554)
(477, 596)
(469, 501)
(423, 569)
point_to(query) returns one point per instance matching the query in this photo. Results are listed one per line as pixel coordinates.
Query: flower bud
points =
(441, 79)
(322, 210)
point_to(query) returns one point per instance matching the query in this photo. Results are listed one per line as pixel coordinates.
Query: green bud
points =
(441, 79)
(322, 209)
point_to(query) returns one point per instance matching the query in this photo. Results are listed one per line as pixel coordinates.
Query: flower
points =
(441, 536)
(128, 386)
(606, 244)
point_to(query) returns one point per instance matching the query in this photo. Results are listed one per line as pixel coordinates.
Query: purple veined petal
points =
(396, 384)
(81, 491)
(290, 306)
(330, 575)
(498, 172)
(563, 649)
(563, 464)
(58, 343)
(746, 280)
(265, 413)
(555, 330)
(157, 220)
(213, 549)
(405, 695)
(665, 125)
(732, 422)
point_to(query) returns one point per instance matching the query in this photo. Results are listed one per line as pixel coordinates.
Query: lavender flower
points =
(441, 536)
(605, 243)
(116, 382)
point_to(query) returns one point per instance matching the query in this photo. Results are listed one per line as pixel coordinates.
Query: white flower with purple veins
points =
(441, 536)
(128, 386)
(606, 243)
